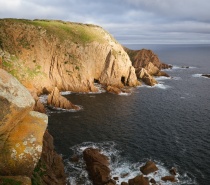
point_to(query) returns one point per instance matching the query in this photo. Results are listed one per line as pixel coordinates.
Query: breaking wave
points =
(120, 167)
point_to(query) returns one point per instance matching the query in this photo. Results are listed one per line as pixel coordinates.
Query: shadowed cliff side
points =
(70, 56)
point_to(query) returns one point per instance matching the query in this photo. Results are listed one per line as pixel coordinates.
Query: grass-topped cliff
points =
(47, 53)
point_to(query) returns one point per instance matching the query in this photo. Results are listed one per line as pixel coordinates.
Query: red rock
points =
(148, 168)
(97, 166)
(124, 183)
(53, 164)
(169, 178)
(139, 180)
(173, 171)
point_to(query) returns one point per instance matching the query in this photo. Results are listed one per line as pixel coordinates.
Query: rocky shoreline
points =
(47, 61)
(97, 165)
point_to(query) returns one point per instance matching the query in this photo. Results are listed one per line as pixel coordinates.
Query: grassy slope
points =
(76, 32)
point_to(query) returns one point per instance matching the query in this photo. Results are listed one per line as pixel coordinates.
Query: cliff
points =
(43, 54)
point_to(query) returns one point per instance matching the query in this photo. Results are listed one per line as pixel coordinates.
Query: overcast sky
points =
(129, 21)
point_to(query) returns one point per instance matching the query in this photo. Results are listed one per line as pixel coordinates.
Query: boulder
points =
(153, 181)
(21, 130)
(173, 171)
(97, 166)
(124, 183)
(169, 178)
(56, 100)
(138, 180)
(148, 168)
(145, 77)
(113, 89)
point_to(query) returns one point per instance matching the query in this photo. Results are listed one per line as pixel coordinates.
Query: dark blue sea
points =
(168, 123)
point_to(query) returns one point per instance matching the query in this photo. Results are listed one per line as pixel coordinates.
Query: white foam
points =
(197, 75)
(43, 98)
(52, 109)
(159, 78)
(162, 86)
(65, 92)
(176, 78)
(119, 166)
(124, 94)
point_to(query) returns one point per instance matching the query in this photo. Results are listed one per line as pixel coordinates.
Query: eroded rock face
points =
(21, 129)
(50, 164)
(97, 166)
(142, 58)
(56, 100)
(15, 102)
(146, 77)
(147, 60)
(65, 60)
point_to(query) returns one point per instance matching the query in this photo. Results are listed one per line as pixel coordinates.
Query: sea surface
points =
(168, 123)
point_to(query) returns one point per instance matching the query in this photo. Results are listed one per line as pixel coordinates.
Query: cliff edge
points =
(71, 56)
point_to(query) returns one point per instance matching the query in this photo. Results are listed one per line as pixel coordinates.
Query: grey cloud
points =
(145, 20)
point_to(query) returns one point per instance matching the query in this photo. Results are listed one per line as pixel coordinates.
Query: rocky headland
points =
(46, 57)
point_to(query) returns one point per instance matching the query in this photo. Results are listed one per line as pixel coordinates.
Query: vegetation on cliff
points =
(70, 56)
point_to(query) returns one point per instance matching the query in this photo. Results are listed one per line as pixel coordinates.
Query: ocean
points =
(168, 123)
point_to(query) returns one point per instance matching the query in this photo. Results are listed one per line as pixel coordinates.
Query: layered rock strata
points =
(21, 129)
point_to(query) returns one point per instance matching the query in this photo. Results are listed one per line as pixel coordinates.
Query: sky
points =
(129, 21)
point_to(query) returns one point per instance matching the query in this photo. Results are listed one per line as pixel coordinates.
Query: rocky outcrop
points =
(146, 77)
(97, 166)
(56, 100)
(21, 129)
(141, 180)
(114, 90)
(169, 178)
(147, 60)
(206, 75)
(67, 55)
(142, 58)
(148, 168)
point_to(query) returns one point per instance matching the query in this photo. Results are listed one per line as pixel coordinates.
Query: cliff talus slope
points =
(45, 54)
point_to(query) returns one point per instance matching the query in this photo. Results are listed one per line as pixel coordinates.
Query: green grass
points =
(38, 173)
(19, 70)
(76, 32)
(7, 181)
